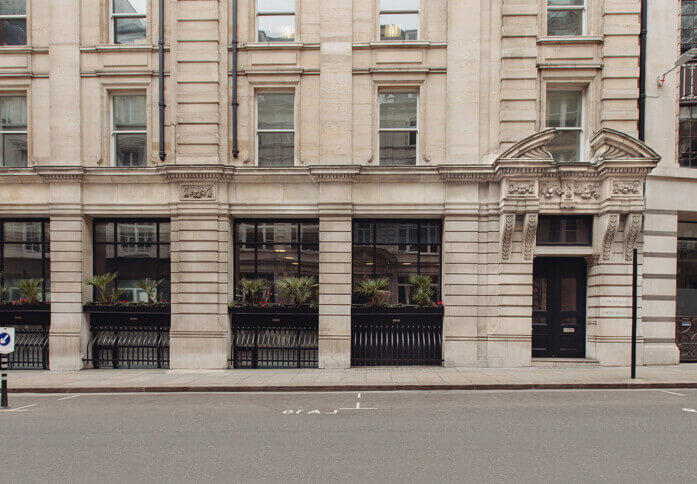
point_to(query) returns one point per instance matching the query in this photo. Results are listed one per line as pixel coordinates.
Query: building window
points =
(396, 251)
(275, 20)
(129, 21)
(688, 25)
(129, 131)
(565, 17)
(269, 249)
(13, 131)
(136, 250)
(565, 112)
(563, 230)
(25, 254)
(399, 19)
(13, 22)
(687, 269)
(276, 129)
(398, 128)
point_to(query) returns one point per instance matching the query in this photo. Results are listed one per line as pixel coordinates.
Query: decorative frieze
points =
(570, 190)
(632, 187)
(521, 188)
(198, 192)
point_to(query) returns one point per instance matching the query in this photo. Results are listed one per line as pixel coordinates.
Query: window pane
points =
(309, 261)
(564, 22)
(137, 232)
(276, 28)
(13, 113)
(398, 148)
(399, 5)
(245, 233)
(104, 260)
(13, 32)
(22, 231)
(398, 110)
(687, 230)
(565, 3)
(276, 110)
(130, 149)
(278, 233)
(104, 232)
(131, 6)
(13, 7)
(276, 149)
(165, 229)
(129, 113)
(363, 232)
(14, 150)
(566, 146)
(135, 263)
(275, 262)
(396, 233)
(129, 30)
(309, 233)
(562, 230)
(687, 272)
(402, 26)
(564, 109)
(270, 6)
(21, 261)
(430, 233)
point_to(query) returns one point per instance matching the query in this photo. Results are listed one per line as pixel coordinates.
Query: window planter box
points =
(278, 337)
(128, 336)
(25, 308)
(396, 336)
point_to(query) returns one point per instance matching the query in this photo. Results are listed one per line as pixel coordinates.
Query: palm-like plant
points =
(255, 291)
(298, 290)
(150, 286)
(4, 290)
(31, 290)
(421, 292)
(106, 295)
(374, 290)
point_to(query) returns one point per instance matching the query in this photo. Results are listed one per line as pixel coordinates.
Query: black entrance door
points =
(559, 308)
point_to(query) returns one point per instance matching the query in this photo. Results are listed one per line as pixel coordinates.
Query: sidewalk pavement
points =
(363, 379)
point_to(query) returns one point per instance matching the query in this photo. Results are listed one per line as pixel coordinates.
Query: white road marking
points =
(68, 398)
(673, 393)
(18, 409)
(359, 395)
(691, 410)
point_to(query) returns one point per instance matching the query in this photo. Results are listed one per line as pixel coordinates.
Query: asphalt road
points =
(524, 436)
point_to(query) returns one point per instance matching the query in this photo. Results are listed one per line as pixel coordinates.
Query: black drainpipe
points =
(235, 102)
(161, 49)
(642, 70)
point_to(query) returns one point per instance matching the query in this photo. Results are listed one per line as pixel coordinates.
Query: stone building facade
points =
(511, 124)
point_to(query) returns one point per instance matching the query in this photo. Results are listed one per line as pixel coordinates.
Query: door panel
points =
(559, 307)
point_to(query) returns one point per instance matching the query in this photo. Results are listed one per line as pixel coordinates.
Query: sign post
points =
(634, 311)
(7, 346)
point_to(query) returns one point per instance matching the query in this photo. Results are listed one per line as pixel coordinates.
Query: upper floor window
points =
(688, 30)
(129, 21)
(398, 128)
(276, 129)
(129, 131)
(275, 20)
(564, 230)
(565, 17)
(399, 19)
(13, 22)
(565, 112)
(13, 131)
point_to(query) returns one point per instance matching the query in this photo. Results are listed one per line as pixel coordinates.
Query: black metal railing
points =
(31, 325)
(686, 330)
(285, 338)
(396, 337)
(128, 338)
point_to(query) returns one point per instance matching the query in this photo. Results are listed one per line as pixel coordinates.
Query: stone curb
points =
(357, 388)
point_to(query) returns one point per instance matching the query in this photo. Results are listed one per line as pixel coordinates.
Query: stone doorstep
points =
(562, 363)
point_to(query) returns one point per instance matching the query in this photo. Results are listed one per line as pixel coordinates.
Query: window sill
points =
(399, 44)
(121, 48)
(571, 39)
(276, 45)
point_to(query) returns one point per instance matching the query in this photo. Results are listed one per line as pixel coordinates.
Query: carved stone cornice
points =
(60, 173)
(631, 232)
(176, 173)
(347, 173)
(507, 227)
(610, 144)
(529, 235)
(532, 147)
(455, 173)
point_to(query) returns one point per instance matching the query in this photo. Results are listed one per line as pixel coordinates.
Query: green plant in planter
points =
(255, 291)
(150, 286)
(421, 291)
(374, 290)
(106, 295)
(298, 291)
(31, 290)
(4, 291)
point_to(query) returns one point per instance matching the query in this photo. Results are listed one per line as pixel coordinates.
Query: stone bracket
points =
(631, 232)
(507, 227)
(529, 235)
(612, 222)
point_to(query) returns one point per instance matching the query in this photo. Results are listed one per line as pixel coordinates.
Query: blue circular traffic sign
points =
(5, 339)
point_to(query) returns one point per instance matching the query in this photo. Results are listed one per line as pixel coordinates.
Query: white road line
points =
(691, 410)
(68, 398)
(19, 409)
(673, 393)
(359, 395)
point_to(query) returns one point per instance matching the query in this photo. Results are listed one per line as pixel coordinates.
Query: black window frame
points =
(587, 217)
(115, 243)
(419, 245)
(258, 243)
(45, 244)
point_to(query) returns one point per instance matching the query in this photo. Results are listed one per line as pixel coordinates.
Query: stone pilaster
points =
(200, 325)
(335, 291)
(69, 326)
